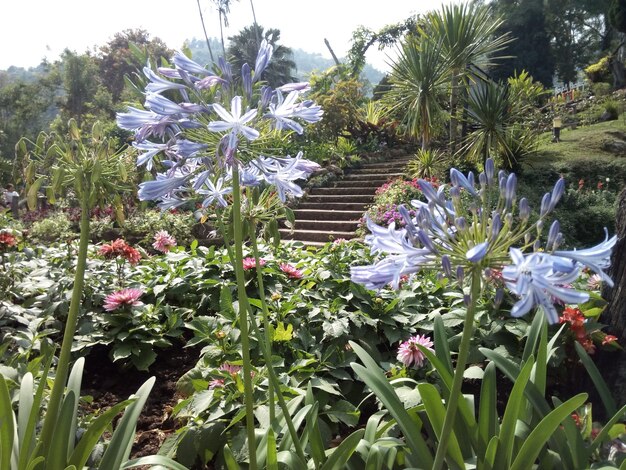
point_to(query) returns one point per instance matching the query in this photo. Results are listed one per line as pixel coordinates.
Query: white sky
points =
(33, 29)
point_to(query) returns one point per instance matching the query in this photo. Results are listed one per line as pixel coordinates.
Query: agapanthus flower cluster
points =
(203, 124)
(479, 224)
(120, 249)
(122, 298)
(163, 241)
(410, 355)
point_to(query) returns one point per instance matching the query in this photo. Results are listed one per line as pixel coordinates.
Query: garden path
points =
(329, 213)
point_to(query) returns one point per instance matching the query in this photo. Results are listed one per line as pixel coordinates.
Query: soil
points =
(108, 383)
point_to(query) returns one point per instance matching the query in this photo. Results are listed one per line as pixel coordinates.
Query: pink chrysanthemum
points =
(163, 241)
(216, 383)
(250, 263)
(291, 271)
(122, 298)
(410, 355)
(231, 369)
(594, 282)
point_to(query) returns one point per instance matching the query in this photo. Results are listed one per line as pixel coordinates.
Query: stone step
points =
(373, 176)
(327, 225)
(360, 183)
(350, 190)
(376, 171)
(306, 236)
(324, 214)
(332, 206)
(395, 163)
(326, 198)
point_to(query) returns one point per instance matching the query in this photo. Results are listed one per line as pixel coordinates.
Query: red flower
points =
(587, 343)
(581, 184)
(120, 248)
(122, 298)
(7, 240)
(608, 339)
(290, 271)
(574, 317)
(600, 185)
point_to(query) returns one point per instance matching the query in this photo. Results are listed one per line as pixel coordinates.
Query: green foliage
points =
(600, 89)
(599, 72)
(144, 224)
(243, 48)
(55, 227)
(417, 78)
(430, 163)
(612, 108)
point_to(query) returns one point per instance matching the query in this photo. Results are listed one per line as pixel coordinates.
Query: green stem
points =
(266, 314)
(267, 356)
(52, 412)
(457, 381)
(243, 319)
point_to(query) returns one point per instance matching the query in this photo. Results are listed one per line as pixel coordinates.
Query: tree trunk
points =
(454, 100)
(614, 368)
(206, 36)
(617, 69)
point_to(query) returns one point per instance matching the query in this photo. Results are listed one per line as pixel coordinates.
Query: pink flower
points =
(231, 369)
(594, 282)
(290, 271)
(339, 241)
(122, 298)
(409, 354)
(608, 339)
(250, 263)
(163, 241)
(120, 248)
(216, 383)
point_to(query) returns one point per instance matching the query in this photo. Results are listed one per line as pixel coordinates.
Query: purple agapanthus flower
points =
(462, 235)
(233, 121)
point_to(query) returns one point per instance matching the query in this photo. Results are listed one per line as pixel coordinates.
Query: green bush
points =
(612, 108)
(601, 89)
(144, 224)
(55, 227)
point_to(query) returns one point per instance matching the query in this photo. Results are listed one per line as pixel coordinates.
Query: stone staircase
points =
(326, 214)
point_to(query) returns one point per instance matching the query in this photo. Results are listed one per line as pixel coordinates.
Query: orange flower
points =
(608, 339)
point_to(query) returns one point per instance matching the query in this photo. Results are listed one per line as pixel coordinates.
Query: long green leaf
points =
(601, 386)
(606, 428)
(7, 426)
(343, 451)
(489, 460)
(436, 414)
(376, 380)
(153, 460)
(25, 408)
(534, 331)
(374, 459)
(57, 454)
(441, 343)
(511, 414)
(488, 407)
(91, 436)
(122, 440)
(371, 427)
(272, 458)
(315, 436)
(74, 382)
(537, 439)
(229, 459)
(297, 420)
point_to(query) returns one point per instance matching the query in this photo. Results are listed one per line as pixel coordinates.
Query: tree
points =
(468, 35)
(116, 58)
(417, 77)
(223, 9)
(242, 49)
(531, 49)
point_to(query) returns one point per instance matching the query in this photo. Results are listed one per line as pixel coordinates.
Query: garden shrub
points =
(601, 89)
(611, 107)
(599, 72)
(142, 225)
(55, 227)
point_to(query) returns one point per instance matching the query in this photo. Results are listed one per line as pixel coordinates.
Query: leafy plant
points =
(54, 227)
(428, 164)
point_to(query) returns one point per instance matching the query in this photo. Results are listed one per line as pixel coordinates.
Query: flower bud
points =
(490, 170)
(499, 297)
(460, 274)
(496, 226)
(446, 265)
(552, 234)
(524, 209)
(477, 253)
(557, 192)
(482, 179)
(545, 205)
(461, 224)
(511, 185)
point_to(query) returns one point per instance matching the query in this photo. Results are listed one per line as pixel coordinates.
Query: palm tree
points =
(468, 34)
(223, 9)
(206, 36)
(417, 77)
(242, 48)
(489, 111)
